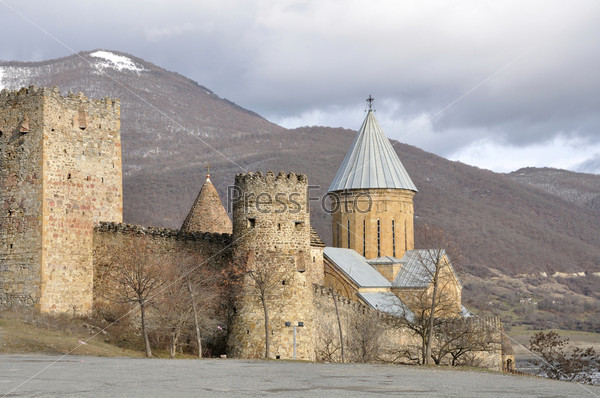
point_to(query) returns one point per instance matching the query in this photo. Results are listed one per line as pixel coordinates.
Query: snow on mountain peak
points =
(1, 76)
(115, 61)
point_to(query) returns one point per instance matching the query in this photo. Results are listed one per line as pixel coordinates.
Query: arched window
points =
(348, 233)
(378, 238)
(393, 239)
(364, 238)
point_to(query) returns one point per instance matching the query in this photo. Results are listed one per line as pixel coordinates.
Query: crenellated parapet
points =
(269, 178)
(159, 232)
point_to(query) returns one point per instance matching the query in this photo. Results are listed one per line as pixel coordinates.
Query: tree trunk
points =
(173, 348)
(423, 348)
(431, 315)
(144, 330)
(267, 340)
(198, 336)
(337, 314)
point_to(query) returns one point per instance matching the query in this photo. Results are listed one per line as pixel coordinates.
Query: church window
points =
(393, 239)
(364, 238)
(378, 238)
(348, 233)
(405, 237)
(251, 222)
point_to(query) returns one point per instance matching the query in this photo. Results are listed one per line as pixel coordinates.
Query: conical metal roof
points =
(371, 162)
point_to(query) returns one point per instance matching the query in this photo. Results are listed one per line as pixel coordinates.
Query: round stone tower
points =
(271, 235)
(372, 197)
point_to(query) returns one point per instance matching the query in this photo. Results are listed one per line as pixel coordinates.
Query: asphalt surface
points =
(47, 376)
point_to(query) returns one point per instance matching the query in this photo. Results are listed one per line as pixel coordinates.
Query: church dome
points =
(371, 162)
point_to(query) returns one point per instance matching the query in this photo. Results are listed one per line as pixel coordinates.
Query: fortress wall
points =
(21, 134)
(109, 238)
(381, 335)
(364, 329)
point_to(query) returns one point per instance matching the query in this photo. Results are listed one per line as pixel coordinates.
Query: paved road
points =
(126, 377)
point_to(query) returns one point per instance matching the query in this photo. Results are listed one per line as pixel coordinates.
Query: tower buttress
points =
(271, 235)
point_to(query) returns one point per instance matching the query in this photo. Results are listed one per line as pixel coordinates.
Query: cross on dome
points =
(370, 100)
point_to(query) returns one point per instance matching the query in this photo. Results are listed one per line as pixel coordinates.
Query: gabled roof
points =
(418, 267)
(207, 213)
(384, 260)
(355, 267)
(371, 162)
(388, 302)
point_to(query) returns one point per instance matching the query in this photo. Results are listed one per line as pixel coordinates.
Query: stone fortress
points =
(62, 204)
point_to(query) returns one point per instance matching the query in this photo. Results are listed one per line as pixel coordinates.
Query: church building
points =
(373, 259)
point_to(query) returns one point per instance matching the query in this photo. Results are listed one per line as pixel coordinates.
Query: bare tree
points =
(334, 284)
(422, 323)
(436, 300)
(137, 275)
(458, 337)
(204, 283)
(365, 332)
(560, 361)
(266, 279)
(173, 309)
(329, 347)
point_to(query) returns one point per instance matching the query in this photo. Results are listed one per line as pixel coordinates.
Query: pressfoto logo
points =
(292, 202)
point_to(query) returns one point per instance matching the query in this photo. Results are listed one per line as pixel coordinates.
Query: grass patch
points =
(29, 333)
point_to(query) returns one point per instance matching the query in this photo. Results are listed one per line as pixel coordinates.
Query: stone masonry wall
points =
(110, 237)
(369, 334)
(20, 196)
(271, 233)
(361, 209)
(82, 185)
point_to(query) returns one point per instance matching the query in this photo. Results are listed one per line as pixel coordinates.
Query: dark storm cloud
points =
(461, 79)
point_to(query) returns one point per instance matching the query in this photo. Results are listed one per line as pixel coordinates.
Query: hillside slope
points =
(171, 126)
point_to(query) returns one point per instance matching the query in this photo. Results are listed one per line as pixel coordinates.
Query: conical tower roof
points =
(207, 214)
(371, 162)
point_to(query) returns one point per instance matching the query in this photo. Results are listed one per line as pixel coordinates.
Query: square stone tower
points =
(60, 172)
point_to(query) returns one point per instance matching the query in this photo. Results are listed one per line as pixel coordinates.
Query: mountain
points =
(578, 188)
(512, 228)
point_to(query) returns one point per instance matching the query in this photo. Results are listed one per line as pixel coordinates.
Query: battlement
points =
(54, 92)
(257, 178)
(159, 232)
(323, 293)
(270, 196)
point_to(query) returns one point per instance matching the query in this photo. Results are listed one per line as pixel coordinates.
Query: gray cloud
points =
(532, 66)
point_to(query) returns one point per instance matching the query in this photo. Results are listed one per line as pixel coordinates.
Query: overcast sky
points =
(496, 84)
